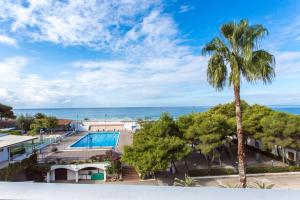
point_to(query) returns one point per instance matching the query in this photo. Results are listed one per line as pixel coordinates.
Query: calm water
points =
(129, 113)
(94, 140)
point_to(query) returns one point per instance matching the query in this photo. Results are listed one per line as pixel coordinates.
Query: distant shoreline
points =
(128, 113)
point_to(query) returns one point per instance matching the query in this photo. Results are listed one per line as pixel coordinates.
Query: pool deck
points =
(64, 152)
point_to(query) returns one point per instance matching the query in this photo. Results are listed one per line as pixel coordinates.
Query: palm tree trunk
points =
(240, 137)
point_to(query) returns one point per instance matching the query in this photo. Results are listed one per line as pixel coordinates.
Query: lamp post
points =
(77, 123)
(105, 121)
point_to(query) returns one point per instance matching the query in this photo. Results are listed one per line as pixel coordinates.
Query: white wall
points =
(71, 175)
(4, 154)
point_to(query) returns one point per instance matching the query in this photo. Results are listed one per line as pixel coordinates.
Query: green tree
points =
(213, 132)
(50, 122)
(234, 57)
(37, 125)
(156, 146)
(24, 122)
(6, 112)
(40, 116)
(280, 130)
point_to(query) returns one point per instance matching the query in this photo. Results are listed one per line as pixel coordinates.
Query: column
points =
(104, 174)
(48, 177)
(76, 176)
(8, 152)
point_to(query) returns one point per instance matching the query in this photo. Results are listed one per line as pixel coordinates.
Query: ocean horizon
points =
(130, 113)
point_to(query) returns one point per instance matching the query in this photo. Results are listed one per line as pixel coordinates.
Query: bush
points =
(211, 172)
(257, 170)
(12, 132)
(54, 149)
(17, 150)
(37, 172)
(7, 173)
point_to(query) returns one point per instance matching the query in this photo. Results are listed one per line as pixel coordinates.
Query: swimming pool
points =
(97, 139)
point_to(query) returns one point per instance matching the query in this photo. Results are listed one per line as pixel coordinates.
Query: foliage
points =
(213, 131)
(155, 146)
(17, 150)
(236, 57)
(12, 132)
(42, 122)
(6, 112)
(114, 168)
(270, 169)
(280, 129)
(186, 182)
(256, 185)
(211, 172)
(7, 173)
(54, 149)
(40, 116)
(37, 172)
(24, 122)
(262, 185)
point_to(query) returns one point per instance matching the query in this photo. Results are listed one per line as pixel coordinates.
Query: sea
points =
(128, 113)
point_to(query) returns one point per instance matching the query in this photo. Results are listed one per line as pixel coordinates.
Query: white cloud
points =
(185, 8)
(8, 41)
(93, 23)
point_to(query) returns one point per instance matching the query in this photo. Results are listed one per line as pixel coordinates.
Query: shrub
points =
(54, 149)
(37, 172)
(17, 150)
(114, 168)
(211, 172)
(12, 169)
(12, 132)
(256, 170)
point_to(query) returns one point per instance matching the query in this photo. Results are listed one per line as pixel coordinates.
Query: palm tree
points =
(235, 57)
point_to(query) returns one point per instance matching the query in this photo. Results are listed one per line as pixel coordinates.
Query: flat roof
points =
(9, 140)
(63, 191)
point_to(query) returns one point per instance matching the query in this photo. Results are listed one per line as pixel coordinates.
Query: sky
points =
(119, 53)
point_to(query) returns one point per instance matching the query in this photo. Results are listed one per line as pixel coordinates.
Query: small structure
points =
(15, 148)
(63, 125)
(76, 172)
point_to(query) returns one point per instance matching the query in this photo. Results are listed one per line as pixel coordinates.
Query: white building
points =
(76, 172)
(14, 148)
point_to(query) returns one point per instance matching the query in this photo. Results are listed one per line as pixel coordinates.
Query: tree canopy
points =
(6, 112)
(156, 146)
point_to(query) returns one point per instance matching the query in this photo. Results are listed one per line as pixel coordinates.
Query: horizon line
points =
(271, 105)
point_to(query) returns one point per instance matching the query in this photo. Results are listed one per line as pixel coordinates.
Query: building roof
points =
(9, 140)
(63, 122)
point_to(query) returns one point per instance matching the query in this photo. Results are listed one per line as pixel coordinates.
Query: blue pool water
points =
(98, 139)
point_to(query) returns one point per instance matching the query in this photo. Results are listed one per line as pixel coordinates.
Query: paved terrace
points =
(64, 152)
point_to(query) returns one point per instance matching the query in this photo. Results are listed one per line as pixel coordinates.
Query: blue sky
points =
(135, 52)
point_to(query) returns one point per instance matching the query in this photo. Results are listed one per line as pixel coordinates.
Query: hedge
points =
(249, 170)
(211, 172)
(17, 150)
(256, 170)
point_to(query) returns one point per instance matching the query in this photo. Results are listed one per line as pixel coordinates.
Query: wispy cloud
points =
(8, 41)
(185, 8)
(97, 24)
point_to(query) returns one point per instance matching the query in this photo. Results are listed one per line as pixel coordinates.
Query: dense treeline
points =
(34, 124)
(160, 143)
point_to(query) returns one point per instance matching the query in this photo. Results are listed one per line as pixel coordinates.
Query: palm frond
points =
(262, 185)
(186, 182)
(217, 72)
